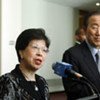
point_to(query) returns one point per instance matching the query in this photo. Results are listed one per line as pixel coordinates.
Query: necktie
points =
(98, 60)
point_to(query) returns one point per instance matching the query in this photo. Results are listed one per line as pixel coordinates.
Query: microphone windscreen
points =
(60, 67)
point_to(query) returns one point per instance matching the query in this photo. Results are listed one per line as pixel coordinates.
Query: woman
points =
(23, 83)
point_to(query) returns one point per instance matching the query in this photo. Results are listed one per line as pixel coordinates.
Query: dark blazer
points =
(82, 60)
(13, 86)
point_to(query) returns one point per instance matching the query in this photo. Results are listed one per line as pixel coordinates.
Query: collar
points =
(92, 49)
(77, 42)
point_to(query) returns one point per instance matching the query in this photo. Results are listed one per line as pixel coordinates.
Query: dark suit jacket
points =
(81, 59)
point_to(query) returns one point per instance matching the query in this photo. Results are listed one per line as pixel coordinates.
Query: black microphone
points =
(65, 70)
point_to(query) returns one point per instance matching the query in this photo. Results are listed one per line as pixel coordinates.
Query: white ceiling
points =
(80, 4)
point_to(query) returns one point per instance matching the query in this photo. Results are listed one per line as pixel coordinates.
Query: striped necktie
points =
(98, 60)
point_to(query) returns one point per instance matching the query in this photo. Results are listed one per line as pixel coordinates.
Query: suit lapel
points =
(88, 59)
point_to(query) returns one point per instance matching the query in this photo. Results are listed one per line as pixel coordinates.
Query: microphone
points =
(65, 70)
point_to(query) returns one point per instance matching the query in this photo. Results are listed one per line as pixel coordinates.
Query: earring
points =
(22, 57)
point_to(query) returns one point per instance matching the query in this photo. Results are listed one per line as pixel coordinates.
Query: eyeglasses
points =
(37, 48)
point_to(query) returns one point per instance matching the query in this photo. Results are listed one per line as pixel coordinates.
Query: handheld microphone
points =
(65, 70)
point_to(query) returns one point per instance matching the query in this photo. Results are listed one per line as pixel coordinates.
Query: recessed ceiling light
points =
(97, 4)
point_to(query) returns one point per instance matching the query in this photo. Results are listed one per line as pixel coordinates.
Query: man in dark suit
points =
(82, 57)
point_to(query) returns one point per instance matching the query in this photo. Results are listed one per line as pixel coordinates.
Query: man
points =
(79, 36)
(83, 59)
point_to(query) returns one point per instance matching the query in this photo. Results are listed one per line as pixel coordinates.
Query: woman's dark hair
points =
(87, 16)
(28, 35)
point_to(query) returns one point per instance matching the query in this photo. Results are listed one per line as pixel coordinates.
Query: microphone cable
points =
(90, 87)
(93, 88)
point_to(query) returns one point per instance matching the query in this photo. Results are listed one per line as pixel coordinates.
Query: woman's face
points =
(34, 54)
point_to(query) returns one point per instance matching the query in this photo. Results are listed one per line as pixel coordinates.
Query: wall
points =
(0, 36)
(58, 21)
(10, 28)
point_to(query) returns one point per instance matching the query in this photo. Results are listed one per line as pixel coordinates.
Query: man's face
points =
(93, 31)
(82, 36)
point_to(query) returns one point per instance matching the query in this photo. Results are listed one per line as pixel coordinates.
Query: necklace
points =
(29, 79)
(26, 76)
(36, 88)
